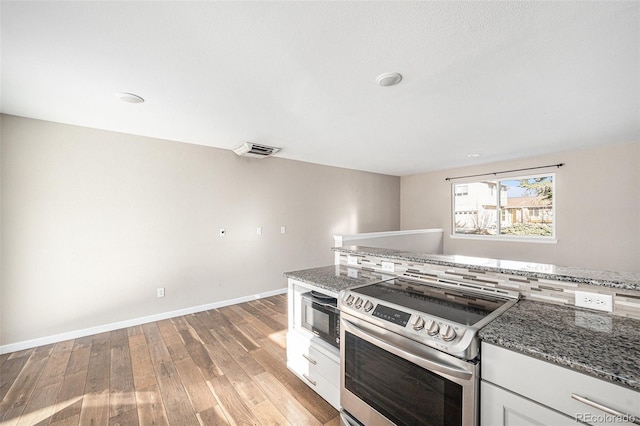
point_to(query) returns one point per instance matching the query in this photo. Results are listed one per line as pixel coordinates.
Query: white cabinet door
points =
(501, 407)
(317, 368)
(564, 390)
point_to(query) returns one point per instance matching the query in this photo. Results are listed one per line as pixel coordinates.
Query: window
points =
(461, 190)
(514, 207)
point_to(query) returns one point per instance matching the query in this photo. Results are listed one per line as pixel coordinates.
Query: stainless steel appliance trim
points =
(623, 416)
(347, 420)
(495, 314)
(320, 302)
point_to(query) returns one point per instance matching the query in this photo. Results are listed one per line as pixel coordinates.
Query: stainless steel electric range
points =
(410, 350)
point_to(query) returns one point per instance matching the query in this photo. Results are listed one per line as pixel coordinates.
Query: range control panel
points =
(392, 315)
(424, 328)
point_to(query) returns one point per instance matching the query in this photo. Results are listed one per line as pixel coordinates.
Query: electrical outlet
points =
(352, 260)
(388, 266)
(283, 229)
(259, 230)
(160, 292)
(597, 301)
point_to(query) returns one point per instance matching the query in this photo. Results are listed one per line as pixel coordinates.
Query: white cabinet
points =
(501, 407)
(314, 361)
(318, 368)
(520, 390)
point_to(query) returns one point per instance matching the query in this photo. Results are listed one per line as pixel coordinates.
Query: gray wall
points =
(597, 209)
(94, 221)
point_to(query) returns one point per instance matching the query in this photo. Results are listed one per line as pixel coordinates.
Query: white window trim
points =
(510, 238)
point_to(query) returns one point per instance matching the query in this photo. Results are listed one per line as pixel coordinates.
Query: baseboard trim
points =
(28, 344)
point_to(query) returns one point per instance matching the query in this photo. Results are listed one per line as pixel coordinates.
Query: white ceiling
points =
(503, 79)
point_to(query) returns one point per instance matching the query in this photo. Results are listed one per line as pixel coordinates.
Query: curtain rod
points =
(505, 171)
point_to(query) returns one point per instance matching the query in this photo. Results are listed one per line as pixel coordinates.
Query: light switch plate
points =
(352, 260)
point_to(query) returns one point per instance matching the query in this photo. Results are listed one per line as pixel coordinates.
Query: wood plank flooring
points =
(218, 367)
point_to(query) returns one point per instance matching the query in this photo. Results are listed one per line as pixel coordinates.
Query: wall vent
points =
(255, 150)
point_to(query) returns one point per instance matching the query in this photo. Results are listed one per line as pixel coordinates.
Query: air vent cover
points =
(249, 149)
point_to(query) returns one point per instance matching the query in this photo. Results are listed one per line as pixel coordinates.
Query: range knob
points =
(447, 333)
(358, 303)
(418, 324)
(368, 306)
(431, 327)
(349, 300)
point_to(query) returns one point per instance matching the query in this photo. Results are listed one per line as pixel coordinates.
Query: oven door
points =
(387, 379)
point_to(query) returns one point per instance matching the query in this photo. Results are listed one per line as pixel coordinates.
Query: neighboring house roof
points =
(519, 202)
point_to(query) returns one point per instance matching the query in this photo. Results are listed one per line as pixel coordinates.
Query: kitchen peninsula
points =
(600, 351)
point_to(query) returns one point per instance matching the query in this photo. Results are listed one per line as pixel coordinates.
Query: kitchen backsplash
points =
(626, 302)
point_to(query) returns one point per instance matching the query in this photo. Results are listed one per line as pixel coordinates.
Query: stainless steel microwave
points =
(321, 316)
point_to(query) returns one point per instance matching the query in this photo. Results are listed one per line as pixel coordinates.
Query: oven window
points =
(401, 391)
(317, 319)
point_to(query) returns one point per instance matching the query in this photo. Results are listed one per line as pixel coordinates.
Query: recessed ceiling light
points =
(130, 98)
(389, 79)
(474, 155)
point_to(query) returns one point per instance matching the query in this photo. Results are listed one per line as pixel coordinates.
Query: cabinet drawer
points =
(308, 356)
(558, 387)
(325, 366)
(323, 387)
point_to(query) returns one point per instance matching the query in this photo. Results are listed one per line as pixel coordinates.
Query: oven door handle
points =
(412, 351)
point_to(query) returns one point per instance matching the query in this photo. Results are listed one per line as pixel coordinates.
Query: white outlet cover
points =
(597, 301)
(283, 229)
(259, 230)
(352, 260)
(388, 266)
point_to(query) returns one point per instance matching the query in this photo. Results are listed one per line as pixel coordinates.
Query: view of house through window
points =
(521, 206)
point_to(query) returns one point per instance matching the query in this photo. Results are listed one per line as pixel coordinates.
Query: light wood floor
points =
(223, 366)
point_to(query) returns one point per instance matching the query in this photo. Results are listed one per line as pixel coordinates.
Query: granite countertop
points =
(335, 278)
(622, 280)
(598, 344)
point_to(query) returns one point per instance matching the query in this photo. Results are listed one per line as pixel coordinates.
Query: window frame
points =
(552, 239)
